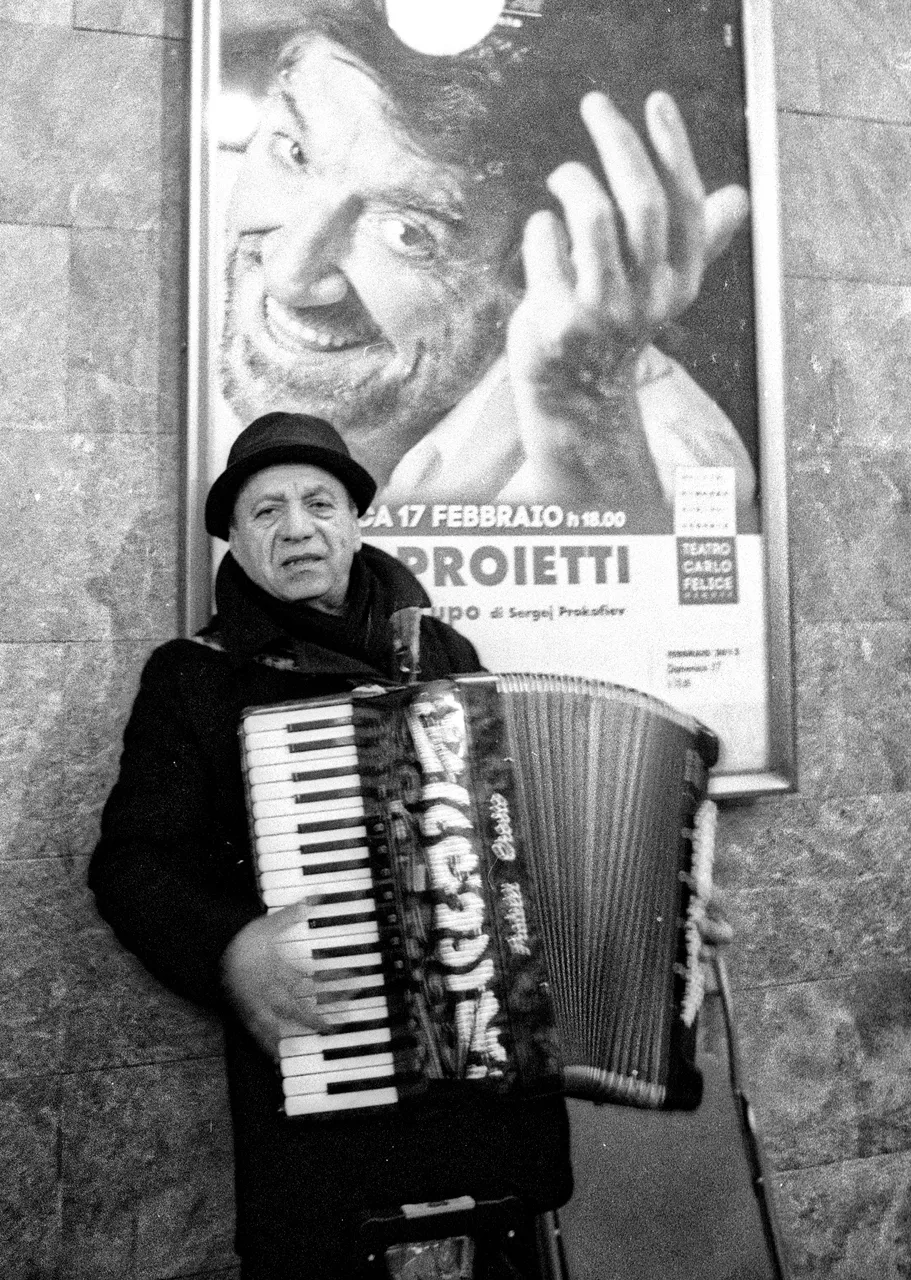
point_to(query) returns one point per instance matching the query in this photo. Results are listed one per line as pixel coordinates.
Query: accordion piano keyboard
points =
(311, 841)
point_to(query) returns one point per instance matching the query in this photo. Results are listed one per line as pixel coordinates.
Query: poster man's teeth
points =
(294, 330)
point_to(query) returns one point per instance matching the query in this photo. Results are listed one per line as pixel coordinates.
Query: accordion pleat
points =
(601, 777)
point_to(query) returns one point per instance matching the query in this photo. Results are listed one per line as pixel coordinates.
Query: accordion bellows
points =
(609, 782)
(572, 805)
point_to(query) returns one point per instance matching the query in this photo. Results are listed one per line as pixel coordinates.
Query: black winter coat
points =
(172, 874)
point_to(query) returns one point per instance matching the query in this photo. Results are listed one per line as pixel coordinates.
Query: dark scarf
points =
(251, 621)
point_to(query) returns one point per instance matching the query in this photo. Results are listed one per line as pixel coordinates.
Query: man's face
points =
(363, 278)
(295, 532)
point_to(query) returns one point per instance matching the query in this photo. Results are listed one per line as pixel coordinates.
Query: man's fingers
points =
(682, 184)
(632, 179)
(715, 933)
(546, 255)
(726, 211)
(296, 913)
(595, 249)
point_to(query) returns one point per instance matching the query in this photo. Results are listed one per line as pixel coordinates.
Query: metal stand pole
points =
(752, 1140)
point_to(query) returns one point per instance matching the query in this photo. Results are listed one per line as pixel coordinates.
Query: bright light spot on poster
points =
(235, 118)
(442, 27)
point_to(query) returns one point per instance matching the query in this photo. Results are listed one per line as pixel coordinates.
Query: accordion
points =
(504, 876)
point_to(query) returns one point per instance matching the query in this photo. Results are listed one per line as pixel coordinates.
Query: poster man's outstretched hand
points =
(627, 256)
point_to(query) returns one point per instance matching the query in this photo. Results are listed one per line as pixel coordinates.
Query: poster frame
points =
(778, 774)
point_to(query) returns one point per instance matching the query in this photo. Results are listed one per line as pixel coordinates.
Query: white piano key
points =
(312, 809)
(311, 732)
(328, 857)
(293, 894)
(367, 1008)
(298, 746)
(259, 731)
(292, 787)
(281, 717)
(350, 986)
(315, 1103)
(363, 960)
(349, 938)
(355, 932)
(315, 880)
(318, 800)
(317, 1045)
(351, 806)
(320, 758)
(301, 1067)
(283, 840)
(349, 962)
(296, 1086)
(330, 910)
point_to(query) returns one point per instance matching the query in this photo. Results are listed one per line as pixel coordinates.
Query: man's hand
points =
(714, 927)
(627, 256)
(269, 979)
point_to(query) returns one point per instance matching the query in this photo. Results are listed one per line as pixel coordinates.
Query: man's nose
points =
(298, 522)
(302, 257)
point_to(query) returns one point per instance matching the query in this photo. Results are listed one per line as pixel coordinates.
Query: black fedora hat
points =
(284, 437)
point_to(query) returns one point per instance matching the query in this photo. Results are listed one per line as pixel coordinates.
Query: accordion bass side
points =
(502, 882)
(611, 786)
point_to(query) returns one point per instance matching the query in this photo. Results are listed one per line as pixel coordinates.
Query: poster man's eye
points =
(288, 151)
(407, 237)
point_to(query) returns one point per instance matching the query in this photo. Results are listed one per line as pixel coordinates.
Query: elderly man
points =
(466, 269)
(302, 610)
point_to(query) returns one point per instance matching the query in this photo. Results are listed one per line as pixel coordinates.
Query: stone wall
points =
(113, 1124)
(819, 882)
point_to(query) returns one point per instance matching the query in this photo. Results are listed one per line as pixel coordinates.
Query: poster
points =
(526, 263)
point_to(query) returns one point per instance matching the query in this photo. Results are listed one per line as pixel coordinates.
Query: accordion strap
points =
(406, 642)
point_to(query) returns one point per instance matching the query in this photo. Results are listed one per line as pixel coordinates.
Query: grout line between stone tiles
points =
(843, 117)
(830, 278)
(849, 975)
(840, 1160)
(110, 1068)
(161, 36)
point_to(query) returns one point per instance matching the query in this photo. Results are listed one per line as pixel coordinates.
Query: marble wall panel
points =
(73, 998)
(92, 525)
(818, 928)
(816, 889)
(853, 711)
(850, 521)
(828, 1066)
(41, 12)
(845, 201)
(95, 130)
(776, 842)
(850, 1220)
(146, 1173)
(797, 78)
(116, 1013)
(60, 741)
(126, 323)
(848, 373)
(34, 939)
(34, 302)
(30, 1223)
(142, 17)
(845, 57)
